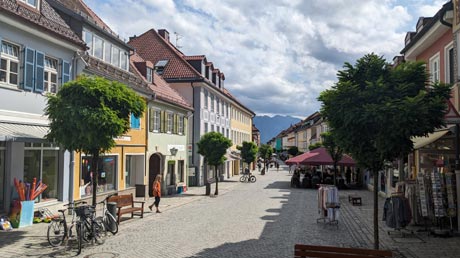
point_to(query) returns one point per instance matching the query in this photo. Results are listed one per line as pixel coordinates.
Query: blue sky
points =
(277, 55)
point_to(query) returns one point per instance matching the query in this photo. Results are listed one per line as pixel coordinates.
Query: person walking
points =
(156, 193)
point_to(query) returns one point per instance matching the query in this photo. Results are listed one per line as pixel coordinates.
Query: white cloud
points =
(277, 56)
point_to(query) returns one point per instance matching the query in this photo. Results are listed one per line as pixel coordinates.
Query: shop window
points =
(170, 175)
(180, 170)
(2, 175)
(133, 166)
(42, 163)
(107, 170)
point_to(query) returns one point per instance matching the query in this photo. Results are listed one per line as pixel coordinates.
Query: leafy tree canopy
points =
(375, 109)
(248, 151)
(89, 112)
(265, 151)
(314, 146)
(213, 146)
(293, 150)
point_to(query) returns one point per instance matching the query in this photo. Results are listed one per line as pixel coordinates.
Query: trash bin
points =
(112, 208)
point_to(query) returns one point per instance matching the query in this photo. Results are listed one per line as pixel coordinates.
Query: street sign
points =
(452, 116)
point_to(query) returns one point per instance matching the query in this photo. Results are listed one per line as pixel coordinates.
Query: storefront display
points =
(107, 168)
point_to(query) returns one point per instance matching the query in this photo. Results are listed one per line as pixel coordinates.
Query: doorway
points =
(154, 170)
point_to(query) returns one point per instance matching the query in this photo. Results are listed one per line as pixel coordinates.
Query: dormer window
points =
(149, 74)
(160, 66)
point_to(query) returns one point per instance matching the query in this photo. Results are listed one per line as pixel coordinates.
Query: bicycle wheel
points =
(242, 178)
(79, 238)
(110, 223)
(253, 179)
(103, 227)
(97, 228)
(56, 232)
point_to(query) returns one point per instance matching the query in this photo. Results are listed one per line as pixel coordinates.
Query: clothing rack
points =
(328, 204)
(397, 214)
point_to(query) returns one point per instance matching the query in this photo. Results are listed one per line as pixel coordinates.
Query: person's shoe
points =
(150, 207)
(158, 211)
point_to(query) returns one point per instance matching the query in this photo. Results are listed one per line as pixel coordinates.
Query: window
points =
(160, 66)
(123, 60)
(33, 3)
(149, 75)
(50, 78)
(205, 127)
(2, 174)
(180, 170)
(107, 52)
(218, 106)
(205, 99)
(9, 63)
(227, 133)
(107, 170)
(169, 123)
(42, 162)
(88, 38)
(449, 52)
(171, 175)
(134, 167)
(212, 128)
(98, 50)
(434, 68)
(135, 122)
(212, 103)
(156, 121)
(180, 125)
(116, 56)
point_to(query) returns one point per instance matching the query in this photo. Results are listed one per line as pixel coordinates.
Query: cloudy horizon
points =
(277, 56)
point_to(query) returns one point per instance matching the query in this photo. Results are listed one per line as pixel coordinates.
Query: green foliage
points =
(248, 151)
(265, 151)
(213, 146)
(89, 112)
(314, 146)
(330, 143)
(293, 150)
(374, 110)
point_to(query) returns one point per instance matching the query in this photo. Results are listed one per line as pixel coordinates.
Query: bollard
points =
(112, 208)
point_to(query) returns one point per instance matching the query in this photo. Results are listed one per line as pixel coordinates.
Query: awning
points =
(22, 132)
(420, 142)
(319, 156)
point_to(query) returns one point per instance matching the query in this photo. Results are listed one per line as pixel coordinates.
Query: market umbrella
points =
(319, 156)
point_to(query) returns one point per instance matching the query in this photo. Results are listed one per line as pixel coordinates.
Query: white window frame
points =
(107, 47)
(180, 125)
(447, 68)
(156, 120)
(36, 6)
(10, 58)
(95, 38)
(49, 71)
(149, 74)
(169, 122)
(435, 73)
(206, 99)
(212, 102)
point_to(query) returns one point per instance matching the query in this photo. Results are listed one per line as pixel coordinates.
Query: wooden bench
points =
(313, 251)
(355, 200)
(125, 204)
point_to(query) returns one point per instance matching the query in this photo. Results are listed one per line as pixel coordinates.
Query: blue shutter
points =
(65, 70)
(39, 71)
(29, 63)
(135, 122)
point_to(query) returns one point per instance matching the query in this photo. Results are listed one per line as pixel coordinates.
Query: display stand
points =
(328, 205)
(397, 220)
(27, 214)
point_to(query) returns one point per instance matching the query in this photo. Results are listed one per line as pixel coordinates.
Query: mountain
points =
(269, 127)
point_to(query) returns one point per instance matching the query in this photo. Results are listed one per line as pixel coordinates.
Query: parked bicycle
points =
(248, 177)
(91, 229)
(59, 230)
(110, 223)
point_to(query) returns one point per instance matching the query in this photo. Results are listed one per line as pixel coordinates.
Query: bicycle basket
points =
(84, 211)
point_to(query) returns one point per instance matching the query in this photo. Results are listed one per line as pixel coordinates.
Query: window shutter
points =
(135, 122)
(162, 121)
(176, 124)
(29, 62)
(65, 72)
(39, 71)
(151, 119)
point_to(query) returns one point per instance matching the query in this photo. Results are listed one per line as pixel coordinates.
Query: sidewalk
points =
(31, 241)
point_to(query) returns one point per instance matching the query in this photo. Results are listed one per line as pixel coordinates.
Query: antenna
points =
(178, 36)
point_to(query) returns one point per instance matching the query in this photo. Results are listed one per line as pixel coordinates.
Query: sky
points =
(277, 55)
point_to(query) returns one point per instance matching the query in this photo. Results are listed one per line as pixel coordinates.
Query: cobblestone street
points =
(262, 219)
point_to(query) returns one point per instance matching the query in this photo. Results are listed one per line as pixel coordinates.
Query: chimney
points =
(164, 33)
(133, 37)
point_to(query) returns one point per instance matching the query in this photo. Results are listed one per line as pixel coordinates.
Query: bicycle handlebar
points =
(74, 203)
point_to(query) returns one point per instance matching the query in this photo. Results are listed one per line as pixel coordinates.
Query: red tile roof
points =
(46, 18)
(152, 47)
(194, 58)
(161, 88)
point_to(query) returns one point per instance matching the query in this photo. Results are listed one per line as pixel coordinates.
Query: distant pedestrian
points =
(157, 193)
(259, 165)
(277, 166)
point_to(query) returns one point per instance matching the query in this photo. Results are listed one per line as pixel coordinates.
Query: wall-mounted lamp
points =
(173, 151)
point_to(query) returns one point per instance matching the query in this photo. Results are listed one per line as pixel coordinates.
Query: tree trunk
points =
(376, 209)
(95, 174)
(217, 182)
(335, 173)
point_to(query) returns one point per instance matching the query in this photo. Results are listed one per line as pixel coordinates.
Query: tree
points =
(293, 150)
(374, 110)
(88, 113)
(213, 146)
(314, 146)
(336, 152)
(248, 152)
(265, 152)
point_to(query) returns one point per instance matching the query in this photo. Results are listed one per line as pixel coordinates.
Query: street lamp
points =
(173, 151)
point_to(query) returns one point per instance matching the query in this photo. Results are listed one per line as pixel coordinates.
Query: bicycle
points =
(110, 223)
(90, 228)
(59, 230)
(248, 177)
